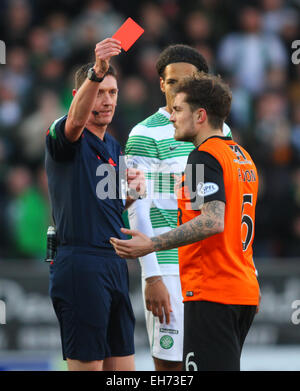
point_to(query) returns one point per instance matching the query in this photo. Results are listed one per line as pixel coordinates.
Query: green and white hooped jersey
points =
(151, 147)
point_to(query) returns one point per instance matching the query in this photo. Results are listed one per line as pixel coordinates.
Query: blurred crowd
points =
(247, 42)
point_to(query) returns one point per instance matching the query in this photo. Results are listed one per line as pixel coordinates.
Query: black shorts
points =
(89, 291)
(214, 335)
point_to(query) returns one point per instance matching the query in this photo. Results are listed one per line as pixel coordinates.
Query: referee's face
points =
(173, 74)
(106, 101)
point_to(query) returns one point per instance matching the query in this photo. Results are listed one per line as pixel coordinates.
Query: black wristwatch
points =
(91, 75)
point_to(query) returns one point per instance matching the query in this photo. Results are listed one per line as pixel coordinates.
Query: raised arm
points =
(84, 99)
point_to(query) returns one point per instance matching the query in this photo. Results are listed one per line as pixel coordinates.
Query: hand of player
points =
(136, 183)
(104, 50)
(133, 248)
(157, 299)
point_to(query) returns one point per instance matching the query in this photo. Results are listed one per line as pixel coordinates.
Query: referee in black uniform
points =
(88, 281)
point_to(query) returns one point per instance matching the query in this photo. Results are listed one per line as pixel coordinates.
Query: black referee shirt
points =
(83, 217)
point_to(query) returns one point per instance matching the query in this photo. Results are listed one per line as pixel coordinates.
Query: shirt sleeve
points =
(204, 178)
(59, 147)
(139, 219)
(138, 156)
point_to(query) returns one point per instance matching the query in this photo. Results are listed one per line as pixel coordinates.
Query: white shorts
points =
(166, 340)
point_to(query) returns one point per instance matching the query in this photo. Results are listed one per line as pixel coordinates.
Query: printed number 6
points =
(191, 364)
(247, 199)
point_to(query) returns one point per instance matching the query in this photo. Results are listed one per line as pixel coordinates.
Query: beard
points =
(183, 137)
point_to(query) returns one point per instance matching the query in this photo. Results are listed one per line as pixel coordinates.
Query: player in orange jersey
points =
(216, 215)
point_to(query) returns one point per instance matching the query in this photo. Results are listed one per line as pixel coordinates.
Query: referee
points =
(88, 281)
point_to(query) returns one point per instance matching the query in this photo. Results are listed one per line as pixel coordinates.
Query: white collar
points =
(164, 112)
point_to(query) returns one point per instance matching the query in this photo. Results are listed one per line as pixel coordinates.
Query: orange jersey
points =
(220, 268)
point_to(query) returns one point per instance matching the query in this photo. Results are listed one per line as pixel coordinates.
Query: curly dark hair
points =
(81, 73)
(180, 53)
(210, 93)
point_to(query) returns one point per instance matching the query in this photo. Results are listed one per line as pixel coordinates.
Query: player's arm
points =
(210, 222)
(84, 99)
(139, 213)
(139, 219)
(157, 298)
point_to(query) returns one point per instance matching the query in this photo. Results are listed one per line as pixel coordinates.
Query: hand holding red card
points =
(104, 51)
(128, 33)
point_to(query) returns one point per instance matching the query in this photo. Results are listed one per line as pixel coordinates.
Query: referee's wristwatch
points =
(91, 75)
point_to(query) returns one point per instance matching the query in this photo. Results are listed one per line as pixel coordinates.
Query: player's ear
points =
(200, 115)
(162, 84)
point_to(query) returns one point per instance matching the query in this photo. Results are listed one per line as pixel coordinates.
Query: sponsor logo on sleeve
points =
(207, 189)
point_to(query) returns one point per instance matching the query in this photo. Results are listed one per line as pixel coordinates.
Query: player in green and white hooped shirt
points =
(151, 146)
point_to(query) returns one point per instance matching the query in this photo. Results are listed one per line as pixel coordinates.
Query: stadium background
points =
(249, 43)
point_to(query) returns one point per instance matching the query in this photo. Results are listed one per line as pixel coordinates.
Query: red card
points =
(128, 33)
